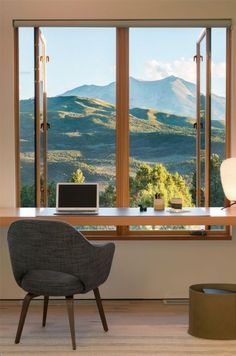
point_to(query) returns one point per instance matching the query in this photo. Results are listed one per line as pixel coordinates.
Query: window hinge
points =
(44, 59)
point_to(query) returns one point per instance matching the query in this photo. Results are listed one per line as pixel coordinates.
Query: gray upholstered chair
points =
(51, 258)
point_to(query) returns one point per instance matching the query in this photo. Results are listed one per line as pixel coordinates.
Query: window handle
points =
(42, 126)
(195, 125)
(196, 57)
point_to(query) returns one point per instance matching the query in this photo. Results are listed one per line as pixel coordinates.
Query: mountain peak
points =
(171, 78)
(170, 94)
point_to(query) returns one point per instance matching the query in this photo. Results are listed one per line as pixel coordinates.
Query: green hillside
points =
(82, 135)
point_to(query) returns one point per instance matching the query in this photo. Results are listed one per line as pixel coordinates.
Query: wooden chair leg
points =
(70, 311)
(100, 309)
(45, 309)
(24, 309)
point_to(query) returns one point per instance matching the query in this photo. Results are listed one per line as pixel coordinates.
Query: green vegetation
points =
(216, 190)
(148, 181)
(77, 177)
(82, 145)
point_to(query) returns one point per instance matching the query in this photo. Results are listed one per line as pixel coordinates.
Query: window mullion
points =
(122, 118)
(208, 118)
(122, 121)
(17, 115)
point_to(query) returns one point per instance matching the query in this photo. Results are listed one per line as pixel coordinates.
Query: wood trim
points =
(45, 151)
(228, 91)
(208, 118)
(112, 22)
(37, 117)
(122, 121)
(17, 116)
(160, 238)
(228, 101)
(122, 117)
(198, 131)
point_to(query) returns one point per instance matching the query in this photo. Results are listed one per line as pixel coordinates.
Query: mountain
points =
(171, 95)
(82, 135)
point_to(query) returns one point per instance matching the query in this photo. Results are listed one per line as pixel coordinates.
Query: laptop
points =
(78, 198)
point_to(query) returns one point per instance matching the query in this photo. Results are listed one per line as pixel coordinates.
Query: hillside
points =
(172, 94)
(82, 135)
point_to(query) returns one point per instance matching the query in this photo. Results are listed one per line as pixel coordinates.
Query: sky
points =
(81, 56)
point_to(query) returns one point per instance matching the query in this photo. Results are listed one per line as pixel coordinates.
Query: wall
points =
(152, 269)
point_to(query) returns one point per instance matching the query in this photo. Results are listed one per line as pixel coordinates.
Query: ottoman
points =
(212, 311)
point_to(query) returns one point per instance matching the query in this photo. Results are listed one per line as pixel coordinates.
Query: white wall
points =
(151, 269)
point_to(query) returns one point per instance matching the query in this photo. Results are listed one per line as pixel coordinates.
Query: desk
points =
(126, 216)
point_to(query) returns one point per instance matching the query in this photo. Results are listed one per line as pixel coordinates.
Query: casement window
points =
(140, 107)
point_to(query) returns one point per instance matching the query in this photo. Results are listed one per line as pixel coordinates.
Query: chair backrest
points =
(48, 245)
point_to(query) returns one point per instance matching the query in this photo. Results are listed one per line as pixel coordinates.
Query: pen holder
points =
(159, 204)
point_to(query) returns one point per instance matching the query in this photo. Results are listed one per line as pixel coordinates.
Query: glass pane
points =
(162, 116)
(81, 109)
(27, 119)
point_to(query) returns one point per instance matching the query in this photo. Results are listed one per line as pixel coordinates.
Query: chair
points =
(51, 258)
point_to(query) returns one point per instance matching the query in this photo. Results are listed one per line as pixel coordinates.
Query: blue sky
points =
(87, 56)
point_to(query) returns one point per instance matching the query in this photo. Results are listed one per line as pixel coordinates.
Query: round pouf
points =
(212, 314)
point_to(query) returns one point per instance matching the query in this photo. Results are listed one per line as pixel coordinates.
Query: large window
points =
(139, 110)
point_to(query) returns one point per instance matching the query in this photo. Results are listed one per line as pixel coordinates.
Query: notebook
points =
(77, 198)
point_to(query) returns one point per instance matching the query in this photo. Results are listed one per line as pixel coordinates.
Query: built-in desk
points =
(126, 216)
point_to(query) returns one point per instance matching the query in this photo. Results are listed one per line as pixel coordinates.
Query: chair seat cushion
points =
(51, 283)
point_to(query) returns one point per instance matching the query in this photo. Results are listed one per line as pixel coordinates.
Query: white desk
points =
(126, 216)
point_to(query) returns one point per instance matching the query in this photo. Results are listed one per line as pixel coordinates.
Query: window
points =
(140, 110)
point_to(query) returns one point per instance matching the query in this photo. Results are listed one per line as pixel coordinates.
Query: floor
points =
(135, 328)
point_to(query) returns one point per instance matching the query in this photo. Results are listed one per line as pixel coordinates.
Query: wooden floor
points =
(135, 328)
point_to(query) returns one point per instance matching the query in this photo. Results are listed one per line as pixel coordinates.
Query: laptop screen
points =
(77, 196)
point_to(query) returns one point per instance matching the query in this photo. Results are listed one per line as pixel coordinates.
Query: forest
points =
(82, 138)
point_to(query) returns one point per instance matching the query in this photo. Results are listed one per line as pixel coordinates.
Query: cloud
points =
(219, 70)
(184, 68)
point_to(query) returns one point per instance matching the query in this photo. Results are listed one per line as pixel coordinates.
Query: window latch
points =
(196, 57)
(195, 125)
(42, 126)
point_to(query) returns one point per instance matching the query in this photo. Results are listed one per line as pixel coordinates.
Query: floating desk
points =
(126, 216)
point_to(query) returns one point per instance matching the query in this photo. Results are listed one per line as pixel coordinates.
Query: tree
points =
(108, 197)
(216, 190)
(77, 177)
(151, 180)
(28, 196)
(52, 194)
(148, 181)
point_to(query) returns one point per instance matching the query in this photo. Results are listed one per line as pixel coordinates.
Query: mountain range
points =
(82, 135)
(170, 95)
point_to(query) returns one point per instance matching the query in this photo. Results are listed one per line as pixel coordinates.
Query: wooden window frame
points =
(122, 141)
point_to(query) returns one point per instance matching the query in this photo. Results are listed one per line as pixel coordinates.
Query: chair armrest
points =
(98, 264)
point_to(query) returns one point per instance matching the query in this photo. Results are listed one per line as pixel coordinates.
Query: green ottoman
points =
(212, 314)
